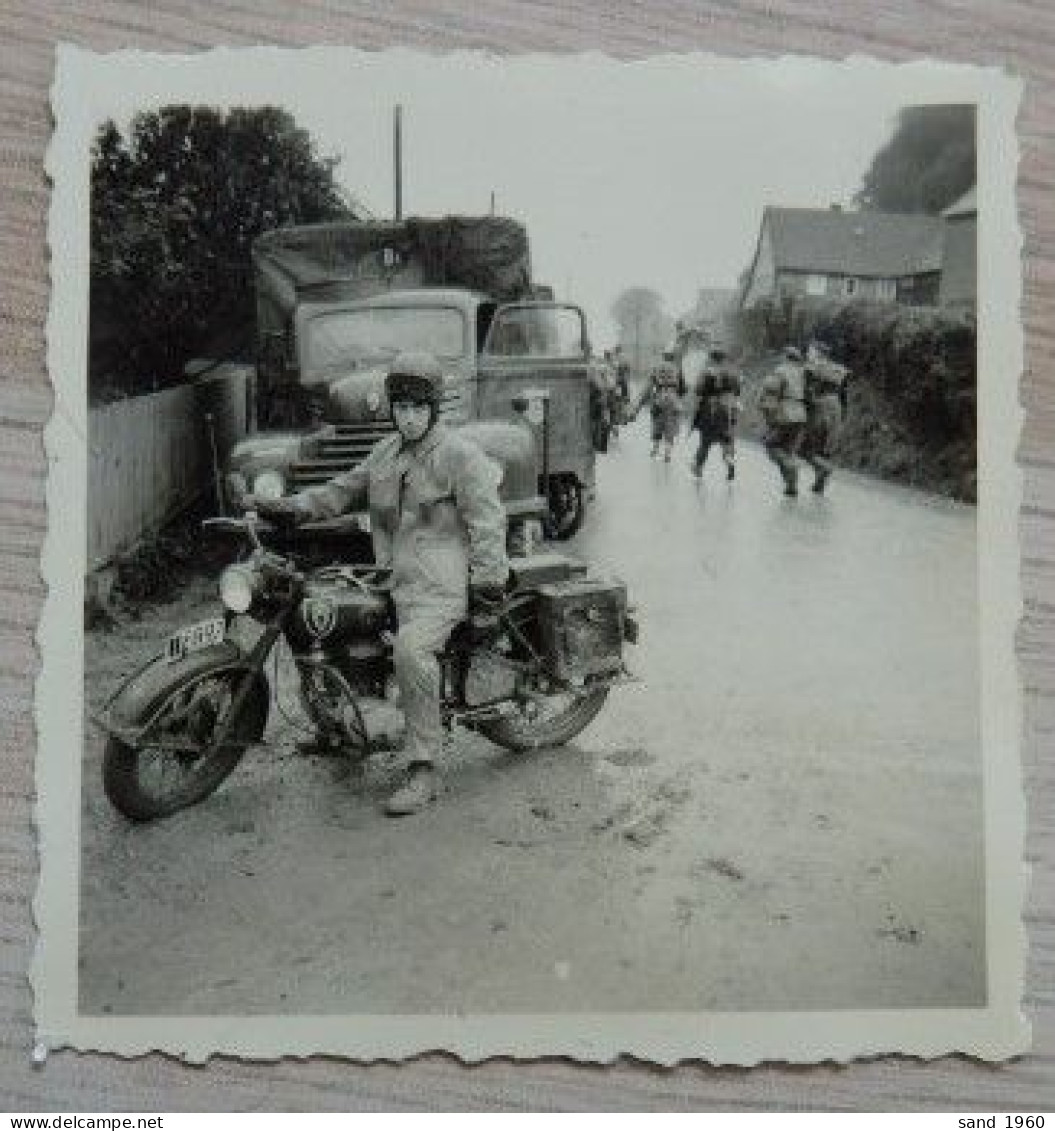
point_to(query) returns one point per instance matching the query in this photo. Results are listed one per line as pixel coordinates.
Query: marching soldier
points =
(716, 412)
(825, 383)
(664, 391)
(783, 406)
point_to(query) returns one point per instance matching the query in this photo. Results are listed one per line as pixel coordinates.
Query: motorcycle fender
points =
(144, 691)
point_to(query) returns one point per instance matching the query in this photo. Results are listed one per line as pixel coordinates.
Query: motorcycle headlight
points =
(237, 588)
(269, 484)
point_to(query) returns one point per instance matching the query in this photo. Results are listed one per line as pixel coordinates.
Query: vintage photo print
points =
(532, 561)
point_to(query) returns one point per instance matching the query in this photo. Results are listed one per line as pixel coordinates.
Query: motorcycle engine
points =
(336, 634)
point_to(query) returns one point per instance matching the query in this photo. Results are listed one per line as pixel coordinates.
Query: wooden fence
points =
(150, 456)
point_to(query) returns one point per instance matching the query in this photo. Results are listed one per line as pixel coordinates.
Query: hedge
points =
(922, 358)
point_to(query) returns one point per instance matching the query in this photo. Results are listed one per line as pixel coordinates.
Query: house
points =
(959, 274)
(832, 252)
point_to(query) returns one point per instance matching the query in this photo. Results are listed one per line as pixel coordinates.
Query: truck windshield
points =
(341, 336)
(537, 331)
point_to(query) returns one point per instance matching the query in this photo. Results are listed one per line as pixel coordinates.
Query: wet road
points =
(784, 814)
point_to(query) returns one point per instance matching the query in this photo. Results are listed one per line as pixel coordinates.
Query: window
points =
(886, 289)
(849, 286)
(378, 333)
(816, 284)
(537, 331)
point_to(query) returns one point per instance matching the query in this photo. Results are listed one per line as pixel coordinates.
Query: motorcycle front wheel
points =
(552, 722)
(179, 763)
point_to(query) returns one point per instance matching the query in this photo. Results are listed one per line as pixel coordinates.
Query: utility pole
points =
(637, 341)
(492, 202)
(397, 157)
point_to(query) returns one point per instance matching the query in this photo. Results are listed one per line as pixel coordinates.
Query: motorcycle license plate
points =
(193, 638)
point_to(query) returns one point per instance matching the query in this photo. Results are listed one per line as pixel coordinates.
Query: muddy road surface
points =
(784, 814)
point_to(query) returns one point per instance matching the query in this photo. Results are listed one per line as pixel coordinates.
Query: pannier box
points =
(581, 622)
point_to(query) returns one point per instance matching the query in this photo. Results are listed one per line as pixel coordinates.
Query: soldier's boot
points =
(655, 449)
(822, 472)
(667, 447)
(730, 469)
(791, 478)
(416, 793)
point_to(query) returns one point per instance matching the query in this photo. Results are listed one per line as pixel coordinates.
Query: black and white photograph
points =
(544, 534)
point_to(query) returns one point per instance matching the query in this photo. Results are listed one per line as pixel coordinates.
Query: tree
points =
(927, 165)
(644, 326)
(174, 210)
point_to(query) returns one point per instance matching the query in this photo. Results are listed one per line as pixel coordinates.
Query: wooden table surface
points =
(1019, 35)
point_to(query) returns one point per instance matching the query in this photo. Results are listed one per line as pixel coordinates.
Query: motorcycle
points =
(535, 677)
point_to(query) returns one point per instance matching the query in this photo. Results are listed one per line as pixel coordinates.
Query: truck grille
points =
(346, 448)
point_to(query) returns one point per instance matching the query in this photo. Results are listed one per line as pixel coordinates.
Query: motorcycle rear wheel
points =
(522, 733)
(147, 782)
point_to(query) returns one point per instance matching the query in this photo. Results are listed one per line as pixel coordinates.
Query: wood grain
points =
(1019, 35)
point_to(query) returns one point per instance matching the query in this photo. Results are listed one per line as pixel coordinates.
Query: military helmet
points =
(415, 376)
(718, 353)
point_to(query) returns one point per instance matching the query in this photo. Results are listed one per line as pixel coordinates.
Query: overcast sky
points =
(625, 174)
(650, 173)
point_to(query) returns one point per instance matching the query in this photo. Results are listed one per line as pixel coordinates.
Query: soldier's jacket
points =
(783, 397)
(717, 397)
(435, 513)
(825, 391)
(663, 390)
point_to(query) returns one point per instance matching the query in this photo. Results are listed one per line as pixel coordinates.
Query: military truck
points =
(335, 304)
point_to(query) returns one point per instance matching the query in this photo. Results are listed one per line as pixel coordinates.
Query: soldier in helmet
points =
(438, 522)
(664, 390)
(783, 406)
(825, 411)
(717, 407)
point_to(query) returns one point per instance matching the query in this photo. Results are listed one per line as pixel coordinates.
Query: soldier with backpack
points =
(783, 406)
(716, 411)
(825, 381)
(664, 391)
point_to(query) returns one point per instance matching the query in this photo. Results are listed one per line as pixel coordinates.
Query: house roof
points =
(967, 205)
(877, 244)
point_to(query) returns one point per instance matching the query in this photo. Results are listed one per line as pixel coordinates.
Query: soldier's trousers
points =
(714, 435)
(783, 442)
(818, 443)
(422, 634)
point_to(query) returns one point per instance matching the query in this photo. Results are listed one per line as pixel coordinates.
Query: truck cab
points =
(515, 377)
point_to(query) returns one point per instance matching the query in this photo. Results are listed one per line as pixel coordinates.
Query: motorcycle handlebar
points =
(370, 577)
(249, 524)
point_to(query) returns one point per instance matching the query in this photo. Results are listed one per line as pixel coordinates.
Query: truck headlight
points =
(269, 484)
(237, 588)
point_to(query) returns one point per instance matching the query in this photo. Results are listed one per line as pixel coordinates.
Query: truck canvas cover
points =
(348, 260)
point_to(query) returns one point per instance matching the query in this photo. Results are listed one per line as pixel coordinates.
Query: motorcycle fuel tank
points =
(335, 612)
